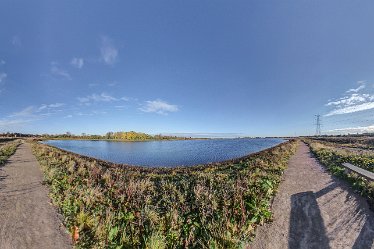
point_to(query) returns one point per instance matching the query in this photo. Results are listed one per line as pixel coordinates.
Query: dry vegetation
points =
(7, 149)
(354, 142)
(115, 206)
(332, 155)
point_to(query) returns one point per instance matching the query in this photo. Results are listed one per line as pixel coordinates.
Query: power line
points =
(318, 125)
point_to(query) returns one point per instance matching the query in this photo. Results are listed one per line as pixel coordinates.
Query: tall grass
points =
(332, 156)
(7, 150)
(114, 206)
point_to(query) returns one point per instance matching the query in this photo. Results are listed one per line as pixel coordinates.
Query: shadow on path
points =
(366, 237)
(306, 224)
(307, 229)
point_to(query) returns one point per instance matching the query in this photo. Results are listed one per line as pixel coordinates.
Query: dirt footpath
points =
(315, 210)
(27, 219)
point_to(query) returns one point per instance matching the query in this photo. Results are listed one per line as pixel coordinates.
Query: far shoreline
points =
(165, 169)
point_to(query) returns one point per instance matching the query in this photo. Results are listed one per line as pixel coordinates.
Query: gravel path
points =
(27, 219)
(315, 210)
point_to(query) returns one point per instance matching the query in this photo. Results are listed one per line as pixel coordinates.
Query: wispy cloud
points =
(114, 83)
(357, 129)
(103, 97)
(93, 84)
(352, 109)
(2, 76)
(35, 111)
(77, 62)
(29, 114)
(109, 52)
(7, 123)
(50, 106)
(2, 62)
(90, 113)
(26, 112)
(16, 41)
(120, 107)
(110, 84)
(57, 71)
(352, 101)
(159, 106)
(355, 90)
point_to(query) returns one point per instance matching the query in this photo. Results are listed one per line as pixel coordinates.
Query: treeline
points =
(16, 134)
(128, 135)
(120, 135)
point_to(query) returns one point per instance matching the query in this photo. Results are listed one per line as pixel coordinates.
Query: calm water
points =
(166, 153)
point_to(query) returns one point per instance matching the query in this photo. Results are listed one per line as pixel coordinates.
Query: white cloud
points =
(2, 62)
(50, 106)
(159, 106)
(109, 52)
(120, 107)
(91, 113)
(68, 116)
(352, 109)
(29, 114)
(56, 105)
(32, 111)
(77, 62)
(57, 71)
(356, 89)
(3, 76)
(358, 129)
(26, 112)
(83, 114)
(103, 97)
(11, 123)
(352, 101)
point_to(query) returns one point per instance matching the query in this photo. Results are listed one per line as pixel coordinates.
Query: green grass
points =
(114, 206)
(7, 150)
(332, 156)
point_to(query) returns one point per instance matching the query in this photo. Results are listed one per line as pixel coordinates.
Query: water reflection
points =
(167, 153)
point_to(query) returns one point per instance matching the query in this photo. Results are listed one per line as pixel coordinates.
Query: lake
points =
(167, 153)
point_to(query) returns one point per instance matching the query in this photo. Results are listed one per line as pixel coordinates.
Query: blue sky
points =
(257, 68)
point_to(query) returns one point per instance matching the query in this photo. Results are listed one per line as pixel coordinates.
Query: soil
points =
(27, 217)
(313, 209)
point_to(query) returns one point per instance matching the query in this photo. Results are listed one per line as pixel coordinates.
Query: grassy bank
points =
(7, 150)
(333, 156)
(213, 206)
